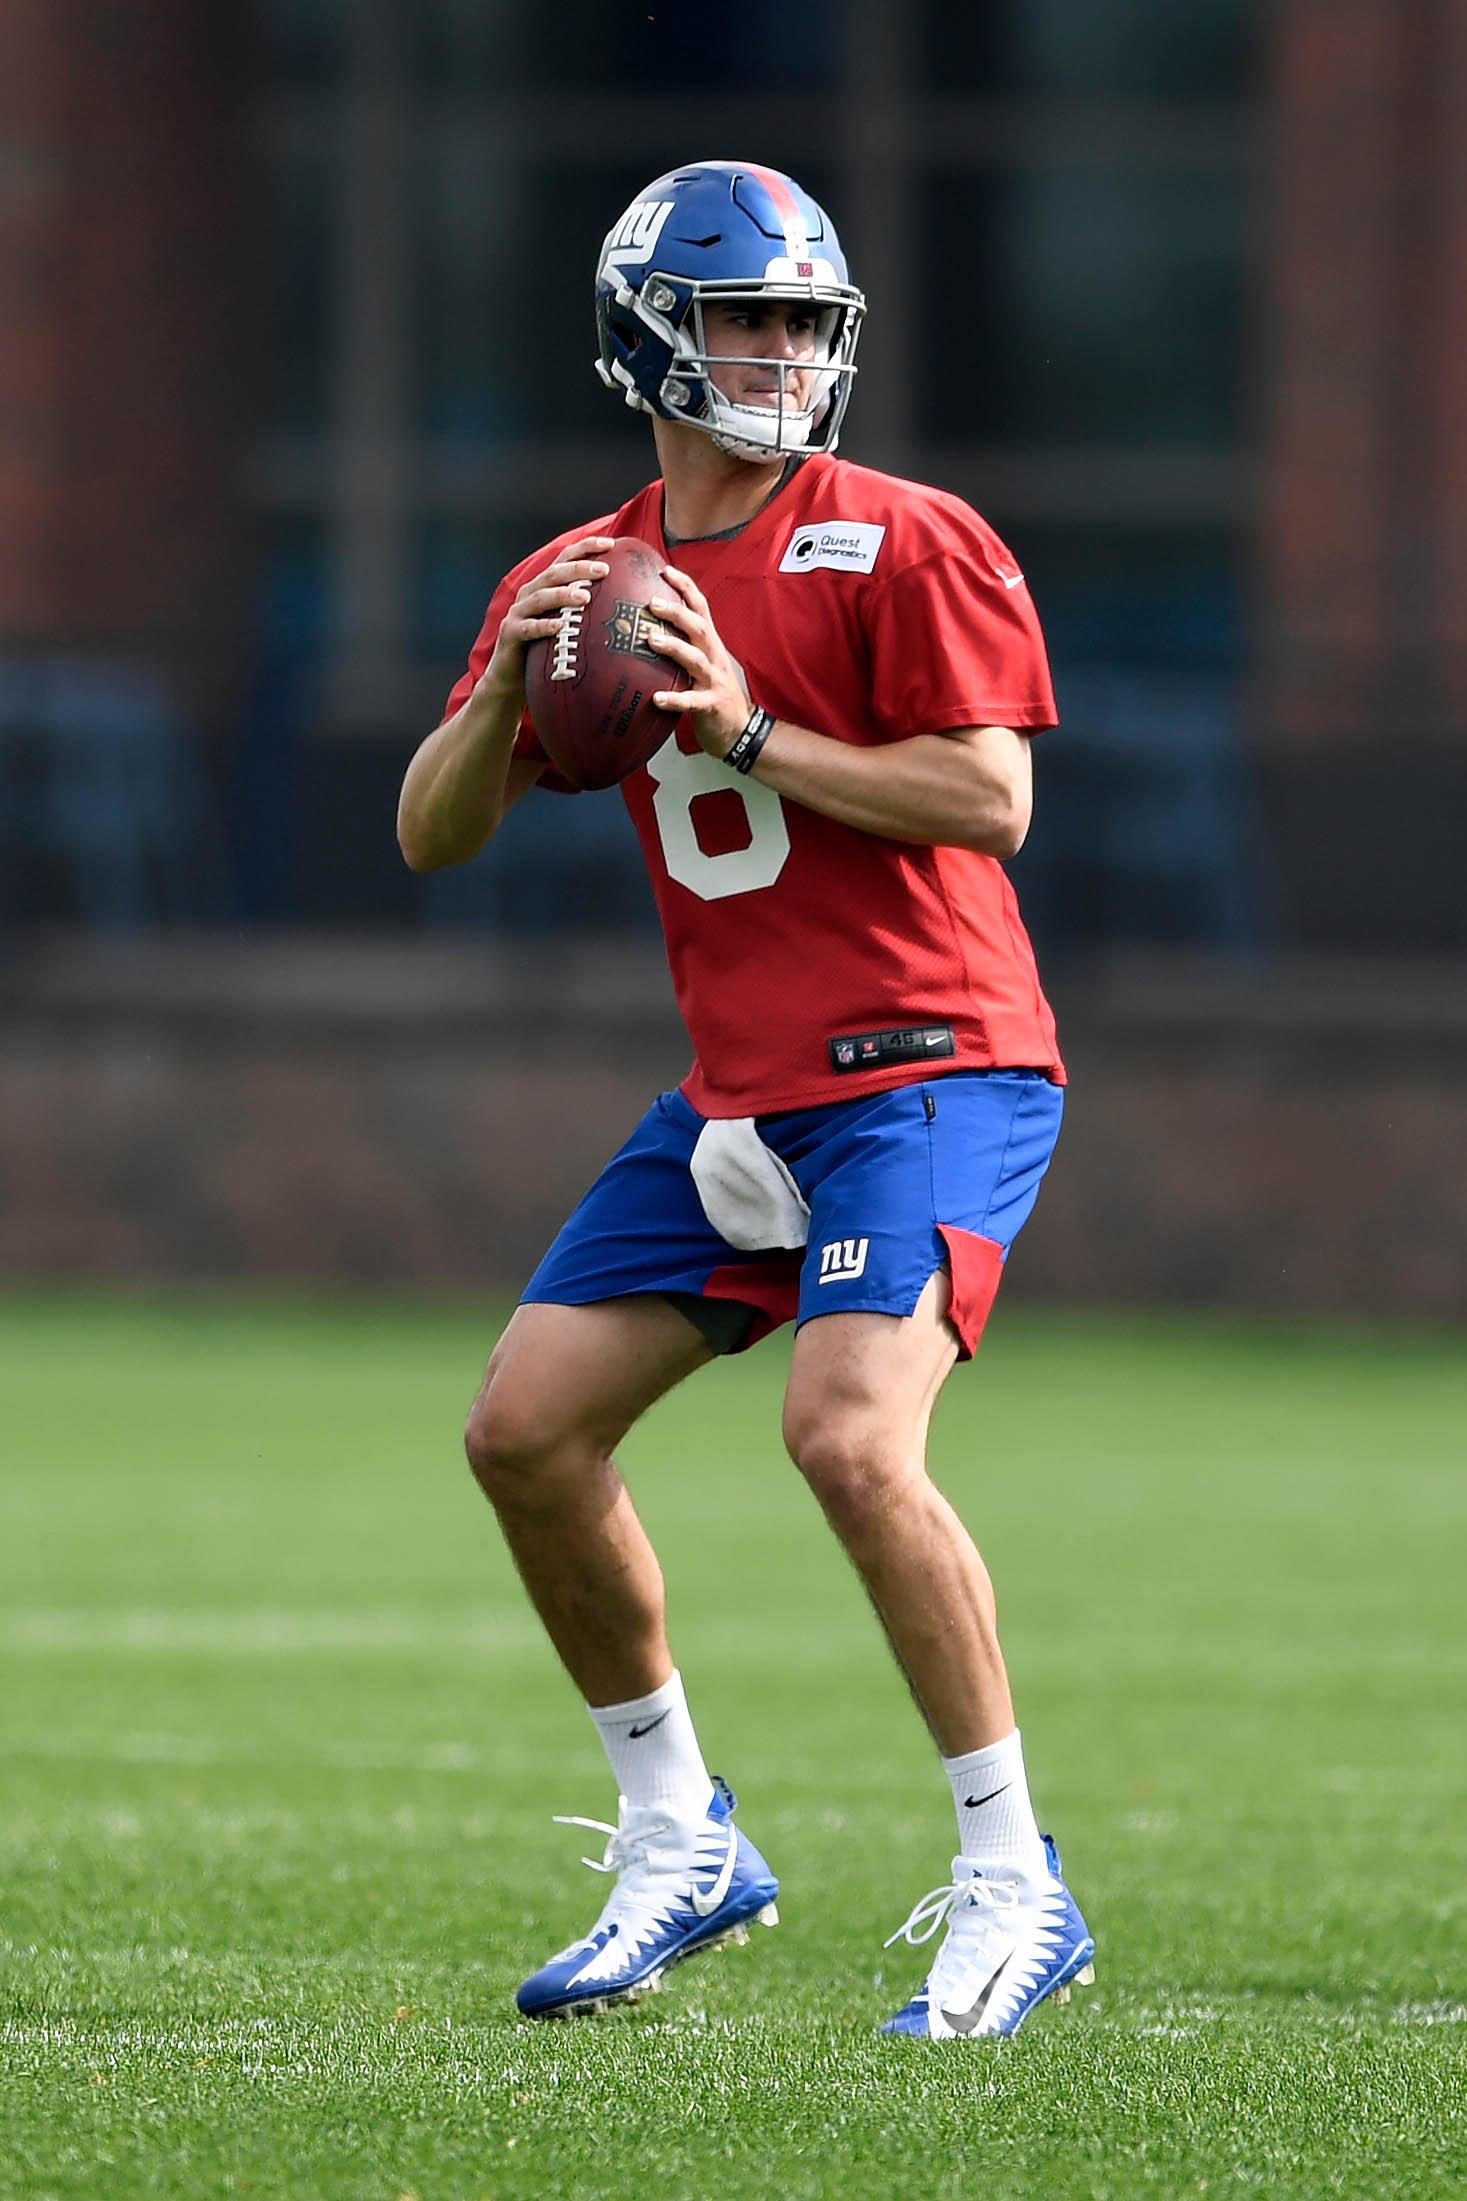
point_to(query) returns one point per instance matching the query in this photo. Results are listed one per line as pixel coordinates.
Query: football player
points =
(877, 1086)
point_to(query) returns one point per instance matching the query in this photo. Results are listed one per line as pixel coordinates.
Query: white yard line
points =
(222, 2036)
(150, 1749)
(252, 1633)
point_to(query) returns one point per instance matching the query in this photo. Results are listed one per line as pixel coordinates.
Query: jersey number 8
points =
(681, 779)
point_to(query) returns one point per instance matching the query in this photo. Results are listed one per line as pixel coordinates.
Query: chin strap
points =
(727, 423)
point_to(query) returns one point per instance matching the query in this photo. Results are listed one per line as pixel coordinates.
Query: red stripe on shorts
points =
(977, 1272)
(771, 1287)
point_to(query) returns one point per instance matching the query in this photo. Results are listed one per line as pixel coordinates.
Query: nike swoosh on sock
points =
(635, 1734)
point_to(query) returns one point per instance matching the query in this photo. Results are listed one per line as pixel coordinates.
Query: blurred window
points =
(1074, 49)
(302, 40)
(1137, 596)
(467, 370)
(1103, 305)
(589, 46)
(294, 611)
(451, 555)
(1148, 830)
(1049, 203)
(1149, 835)
(301, 271)
(106, 818)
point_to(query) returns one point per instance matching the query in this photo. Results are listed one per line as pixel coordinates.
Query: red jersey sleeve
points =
(526, 741)
(954, 636)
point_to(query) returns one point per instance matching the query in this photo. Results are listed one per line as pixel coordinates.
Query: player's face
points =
(759, 334)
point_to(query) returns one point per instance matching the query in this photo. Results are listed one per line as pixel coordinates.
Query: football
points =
(590, 687)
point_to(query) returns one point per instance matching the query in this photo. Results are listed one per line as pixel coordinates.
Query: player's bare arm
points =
(972, 788)
(465, 779)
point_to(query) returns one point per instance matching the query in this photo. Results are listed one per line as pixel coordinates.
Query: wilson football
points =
(590, 687)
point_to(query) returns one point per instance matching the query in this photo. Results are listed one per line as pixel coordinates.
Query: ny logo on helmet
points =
(630, 243)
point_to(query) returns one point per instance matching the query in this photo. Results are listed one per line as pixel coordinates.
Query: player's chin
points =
(768, 401)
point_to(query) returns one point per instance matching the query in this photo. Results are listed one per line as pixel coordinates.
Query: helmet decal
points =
(630, 243)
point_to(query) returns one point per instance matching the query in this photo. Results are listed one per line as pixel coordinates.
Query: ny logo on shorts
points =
(842, 1258)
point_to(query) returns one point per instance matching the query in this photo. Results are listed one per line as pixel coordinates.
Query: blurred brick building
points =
(1200, 350)
(128, 396)
(296, 362)
(1361, 715)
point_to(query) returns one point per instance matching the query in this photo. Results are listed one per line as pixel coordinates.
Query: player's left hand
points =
(717, 704)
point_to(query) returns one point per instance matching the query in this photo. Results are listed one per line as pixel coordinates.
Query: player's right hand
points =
(535, 613)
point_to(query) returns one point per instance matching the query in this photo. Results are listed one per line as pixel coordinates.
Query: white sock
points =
(654, 1752)
(996, 1824)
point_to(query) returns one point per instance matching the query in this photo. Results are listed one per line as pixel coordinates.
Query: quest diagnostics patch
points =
(848, 546)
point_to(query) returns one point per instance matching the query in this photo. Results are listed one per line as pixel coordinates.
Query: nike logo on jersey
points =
(840, 546)
(1012, 580)
(706, 1905)
(968, 2021)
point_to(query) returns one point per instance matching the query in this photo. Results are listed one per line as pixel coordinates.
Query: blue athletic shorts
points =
(882, 1191)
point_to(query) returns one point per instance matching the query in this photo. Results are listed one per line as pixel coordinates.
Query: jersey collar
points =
(722, 553)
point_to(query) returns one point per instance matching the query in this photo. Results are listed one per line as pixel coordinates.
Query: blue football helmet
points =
(721, 229)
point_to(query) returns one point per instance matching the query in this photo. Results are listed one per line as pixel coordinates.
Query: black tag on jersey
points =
(874, 1050)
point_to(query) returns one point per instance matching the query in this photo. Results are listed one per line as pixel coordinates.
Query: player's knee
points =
(852, 1471)
(510, 1439)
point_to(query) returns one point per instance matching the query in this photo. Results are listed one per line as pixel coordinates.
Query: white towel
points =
(748, 1195)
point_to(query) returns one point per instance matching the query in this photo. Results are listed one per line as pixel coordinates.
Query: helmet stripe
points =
(796, 236)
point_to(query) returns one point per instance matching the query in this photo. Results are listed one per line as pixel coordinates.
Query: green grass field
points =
(280, 1747)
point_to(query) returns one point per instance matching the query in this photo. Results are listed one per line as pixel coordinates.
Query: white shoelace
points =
(621, 1849)
(934, 1909)
(642, 1888)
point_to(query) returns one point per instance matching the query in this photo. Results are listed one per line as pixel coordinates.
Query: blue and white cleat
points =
(679, 1890)
(1012, 1943)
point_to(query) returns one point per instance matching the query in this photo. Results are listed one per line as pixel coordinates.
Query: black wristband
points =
(744, 751)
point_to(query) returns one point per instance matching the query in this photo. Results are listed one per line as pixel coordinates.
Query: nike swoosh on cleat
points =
(971, 1803)
(706, 1905)
(635, 1734)
(968, 2021)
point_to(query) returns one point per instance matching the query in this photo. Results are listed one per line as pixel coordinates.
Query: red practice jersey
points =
(868, 609)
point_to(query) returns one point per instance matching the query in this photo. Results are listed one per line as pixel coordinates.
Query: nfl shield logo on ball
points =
(626, 631)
